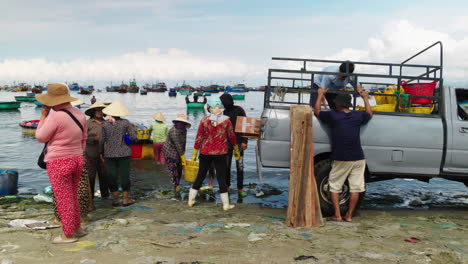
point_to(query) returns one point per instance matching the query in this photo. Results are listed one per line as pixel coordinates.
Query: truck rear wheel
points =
(322, 170)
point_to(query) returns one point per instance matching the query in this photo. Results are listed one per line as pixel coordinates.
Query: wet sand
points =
(168, 231)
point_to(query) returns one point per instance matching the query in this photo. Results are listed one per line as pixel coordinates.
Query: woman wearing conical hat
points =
(159, 132)
(93, 162)
(116, 151)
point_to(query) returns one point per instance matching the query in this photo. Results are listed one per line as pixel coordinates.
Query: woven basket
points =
(191, 170)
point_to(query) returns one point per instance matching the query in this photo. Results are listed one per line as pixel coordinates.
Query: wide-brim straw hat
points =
(77, 102)
(182, 118)
(116, 108)
(57, 93)
(158, 117)
(90, 110)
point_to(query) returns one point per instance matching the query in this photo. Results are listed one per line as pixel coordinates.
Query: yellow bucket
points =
(191, 170)
(379, 108)
(143, 134)
(421, 109)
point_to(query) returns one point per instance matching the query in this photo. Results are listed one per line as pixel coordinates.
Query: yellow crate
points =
(379, 108)
(421, 109)
(191, 170)
(143, 134)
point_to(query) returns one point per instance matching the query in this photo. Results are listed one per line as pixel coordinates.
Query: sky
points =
(217, 41)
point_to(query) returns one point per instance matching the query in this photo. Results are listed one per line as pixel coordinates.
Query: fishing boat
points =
(123, 88)
(214, 88)
(185, 92)
(240, 88)
(172, 92)
(207, 94)
(158, 88)
(112, 88)
(238, 96)
(12, 105)
(74, 87)
(30, 94)
(37, 89)
(38, 103)
(29, 124)
(22, 87)
(25, 98)
(196, 105)
(199, 93)
(87, 90)
(143, 92)
(133, 88)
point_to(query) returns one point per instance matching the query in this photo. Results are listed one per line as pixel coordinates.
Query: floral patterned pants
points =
(64, 175)
(175, 168)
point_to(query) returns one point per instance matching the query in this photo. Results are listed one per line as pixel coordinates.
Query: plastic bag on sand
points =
(43, 198)
(31, 224)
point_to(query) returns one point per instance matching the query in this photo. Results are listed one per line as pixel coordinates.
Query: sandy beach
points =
(168, 231)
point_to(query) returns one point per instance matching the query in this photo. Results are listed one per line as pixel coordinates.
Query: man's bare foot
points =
(335, 218)
(348, 218)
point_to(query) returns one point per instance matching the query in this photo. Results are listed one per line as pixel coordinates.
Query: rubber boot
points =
(225, 200)
(191, 197)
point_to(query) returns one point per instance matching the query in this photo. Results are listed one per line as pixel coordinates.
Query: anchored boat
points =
(25, 98)
(12, 105)
(195, 105)
(29, 124)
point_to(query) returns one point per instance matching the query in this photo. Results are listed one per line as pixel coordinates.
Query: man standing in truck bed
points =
(333, 82)
(347, 155)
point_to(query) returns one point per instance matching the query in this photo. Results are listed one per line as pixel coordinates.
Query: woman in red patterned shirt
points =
(213, 134)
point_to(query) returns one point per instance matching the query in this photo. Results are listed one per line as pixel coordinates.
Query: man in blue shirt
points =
(347, 155)
(333, 82)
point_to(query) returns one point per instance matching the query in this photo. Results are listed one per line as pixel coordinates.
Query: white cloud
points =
(150, 65)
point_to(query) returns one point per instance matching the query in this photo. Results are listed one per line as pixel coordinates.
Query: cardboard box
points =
(248, 126)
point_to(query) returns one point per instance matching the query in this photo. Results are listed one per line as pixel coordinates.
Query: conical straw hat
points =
(182, 118)
(77, 102)
(158, 117)
(94, 106)
(116, 108)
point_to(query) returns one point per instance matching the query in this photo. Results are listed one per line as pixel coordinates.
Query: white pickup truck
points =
(396, 144)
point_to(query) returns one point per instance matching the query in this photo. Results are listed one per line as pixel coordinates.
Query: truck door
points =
(457, 141)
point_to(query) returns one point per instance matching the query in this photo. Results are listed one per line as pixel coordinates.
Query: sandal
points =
(80, 235)
(127, 204)
(60, 240)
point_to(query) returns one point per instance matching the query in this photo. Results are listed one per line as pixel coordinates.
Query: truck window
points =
(462, 104)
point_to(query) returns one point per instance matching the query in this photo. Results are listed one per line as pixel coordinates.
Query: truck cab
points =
(402, 140)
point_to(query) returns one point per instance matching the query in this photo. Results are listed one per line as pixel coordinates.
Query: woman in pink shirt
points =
(65, 131)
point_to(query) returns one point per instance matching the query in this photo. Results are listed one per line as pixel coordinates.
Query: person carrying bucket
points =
(174, 149)
(214, 133)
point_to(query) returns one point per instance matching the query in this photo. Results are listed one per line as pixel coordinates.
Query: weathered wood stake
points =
(303, 201)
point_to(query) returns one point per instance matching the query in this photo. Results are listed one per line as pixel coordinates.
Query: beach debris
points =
(303, 257)
(88, 261)
(80, 245)
(416, 203)
(255, 237)
(305, 235)
(231, 225)
(43, 198)
(443, 226)
(259, 194)
(31, 224)
(136, 207)
(120, 221)
(412, 240)
(154, 243)
(6, 261)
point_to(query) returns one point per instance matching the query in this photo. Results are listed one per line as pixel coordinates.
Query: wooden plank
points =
(303, 201)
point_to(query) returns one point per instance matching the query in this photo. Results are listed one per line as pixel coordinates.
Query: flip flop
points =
(333, 220)
(128, 204)
(60, 240)
(412, 240)
(80, 235)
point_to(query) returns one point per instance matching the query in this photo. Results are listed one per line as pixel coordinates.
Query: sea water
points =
(20, 150)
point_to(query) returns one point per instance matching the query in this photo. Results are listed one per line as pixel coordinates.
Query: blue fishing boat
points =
(39, 104)
(172, 92)
(240, 88)
(74, 87)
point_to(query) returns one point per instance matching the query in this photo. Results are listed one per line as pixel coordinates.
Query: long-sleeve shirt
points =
(112, 138)
(64, 136)
(159, 132)
(213, 140)
(175, 143)
(92, 145)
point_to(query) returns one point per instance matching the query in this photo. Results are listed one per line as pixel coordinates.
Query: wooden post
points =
(303, 201)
